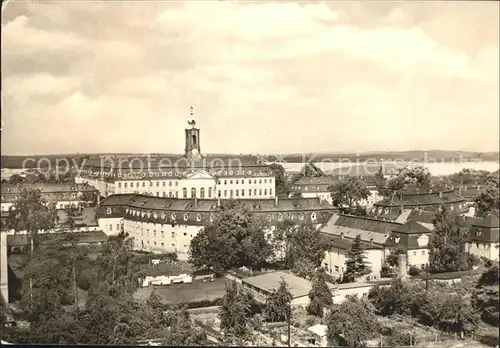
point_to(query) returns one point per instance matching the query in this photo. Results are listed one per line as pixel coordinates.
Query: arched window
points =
(184, 192)
(209, 192)
(202, 193)
(198, 217)
(193, 192)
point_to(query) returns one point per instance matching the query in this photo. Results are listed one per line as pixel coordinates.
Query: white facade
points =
(483, 249)
(111, 226)
(167, 280)
(335, 258)
(199, 184)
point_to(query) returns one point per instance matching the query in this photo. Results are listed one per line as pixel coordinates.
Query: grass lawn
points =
(184, 293)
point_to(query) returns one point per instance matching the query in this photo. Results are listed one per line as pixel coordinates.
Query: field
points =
(184, 293)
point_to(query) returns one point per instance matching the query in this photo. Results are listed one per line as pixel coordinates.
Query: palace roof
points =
(46, 188)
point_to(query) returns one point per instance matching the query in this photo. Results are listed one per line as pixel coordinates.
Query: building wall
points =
(237, 187)
(340, 295)
(487, 250)
(110, 226)
(161, 237)
(334, 261)
(418, 257)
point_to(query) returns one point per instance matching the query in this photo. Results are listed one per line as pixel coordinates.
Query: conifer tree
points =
(356, 264)
(320, 295)
(278, 304)
(235, 311)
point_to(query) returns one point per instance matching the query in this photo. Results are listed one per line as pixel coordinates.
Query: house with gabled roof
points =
(378, 238)
(483, 237)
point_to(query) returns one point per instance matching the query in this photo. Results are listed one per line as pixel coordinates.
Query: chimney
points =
(276, 200)
(441, 194)
(402, 272)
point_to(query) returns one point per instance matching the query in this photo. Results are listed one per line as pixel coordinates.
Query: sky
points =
(263, 76)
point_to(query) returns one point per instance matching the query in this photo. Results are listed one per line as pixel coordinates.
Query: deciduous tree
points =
(488, 201)
(352, 323)
(235, 311)
(281, 184)
(447, 244)
(486, 296)
(348, 194)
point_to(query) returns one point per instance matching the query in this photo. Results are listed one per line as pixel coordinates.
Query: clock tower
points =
(192, 149)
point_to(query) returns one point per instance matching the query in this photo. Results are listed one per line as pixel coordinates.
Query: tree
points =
(320, 295)
(488, 200)
(281, 184)
(15, 179)
(486, 296)
(31, 213)
(309, 170)
(234, 239)
(235, 311)
(182, 332)
(417, 175)
(348, 193)
(71, 215)
(306, 246)
(356, 264)
(447, 243)
(278, 304)
(379, 178)
(351, 323)
(393, 257)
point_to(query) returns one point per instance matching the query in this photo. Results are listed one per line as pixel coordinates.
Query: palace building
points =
(160, 224)
(63, 195)
(187, 176)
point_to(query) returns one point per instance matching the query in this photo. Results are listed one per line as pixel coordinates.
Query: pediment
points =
(199, 174)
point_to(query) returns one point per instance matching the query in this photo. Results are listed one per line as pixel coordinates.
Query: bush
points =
(414, 271)
(193, 305)
(489, 340)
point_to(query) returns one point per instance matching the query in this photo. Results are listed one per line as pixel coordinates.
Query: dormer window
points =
(478, 232)
(186, 217)
(198, 217)
(212, 217)
(268, 217)
(108, 211)
(280, 217)
(301, 216)
(313, 216)
(172, 216)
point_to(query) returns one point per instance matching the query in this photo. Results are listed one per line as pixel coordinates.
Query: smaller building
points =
(165, 273)
(320, 335)
(358, 289)
(262, 285)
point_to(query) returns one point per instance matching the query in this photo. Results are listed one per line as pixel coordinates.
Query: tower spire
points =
(191, 109)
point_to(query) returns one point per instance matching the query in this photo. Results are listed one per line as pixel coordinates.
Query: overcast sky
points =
(120, 76)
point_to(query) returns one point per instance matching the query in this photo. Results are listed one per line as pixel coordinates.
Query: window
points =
(162, 244)
(255, 181)
(225, 182)
(218, 182)
(173, 234)
(193, 192)
(117, 227)
(209, 192)
(423, 252)
(125, 185)
(249, 192)
(280, 217)
(143, 184)
(336, 268)
(237, 182)
(237, 193)
(111, 227)
(164, 183)
(270, 192)
(186, 217)
(157, 183)
(254, 192)
(164, 194)
(131, 184)
(150, 183)
(301, 216)
(184, 193)
(414, 253)
(202, 193)
(260, 181)
(198, 217)
(157, 194)
(231, 182)
(170, 183)
(176, 194)
(185, 234)
(162, 235)
(260, 192)
(119, 185)
(265, 192)
(230, 193)
(268, 217)
(147, 232)
(265, 181)
(242, 193)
